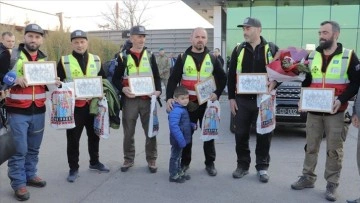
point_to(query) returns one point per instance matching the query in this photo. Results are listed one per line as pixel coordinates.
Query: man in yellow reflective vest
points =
(138, 62)
(26, 115)
(251, 56)
(195, 65)
(332, 66)
(81, 63)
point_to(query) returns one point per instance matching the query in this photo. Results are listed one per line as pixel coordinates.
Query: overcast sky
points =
(86, 15)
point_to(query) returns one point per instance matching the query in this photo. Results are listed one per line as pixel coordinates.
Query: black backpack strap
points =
(15, 55)
(272, 47)
(239, 48)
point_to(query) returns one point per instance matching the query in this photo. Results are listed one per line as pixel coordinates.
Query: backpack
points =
(111, 65)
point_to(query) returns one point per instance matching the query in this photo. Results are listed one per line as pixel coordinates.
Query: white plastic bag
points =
(62, 106)
(101, 120)
(265, 122)
(211, 121)
(154, 120)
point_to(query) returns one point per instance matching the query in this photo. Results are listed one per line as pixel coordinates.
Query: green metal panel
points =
(295, 22)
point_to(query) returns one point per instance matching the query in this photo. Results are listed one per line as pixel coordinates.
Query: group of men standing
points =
(331, 65)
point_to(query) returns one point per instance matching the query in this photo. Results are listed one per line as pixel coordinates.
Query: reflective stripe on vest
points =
(336, 71)
(72, 68)
(267, 53)
(27, 96)
(23, 97)
(191, 75)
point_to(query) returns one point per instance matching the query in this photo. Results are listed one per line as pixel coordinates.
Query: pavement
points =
(139, 185)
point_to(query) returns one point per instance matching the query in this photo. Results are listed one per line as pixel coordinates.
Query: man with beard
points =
(26, 115)
(332, 66)
(195, 65)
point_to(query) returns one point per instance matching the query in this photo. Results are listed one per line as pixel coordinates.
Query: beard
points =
(326, 44)
(199, 46)
(32, 46)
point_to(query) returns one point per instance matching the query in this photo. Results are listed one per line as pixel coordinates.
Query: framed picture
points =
(141, 85)
(204, 89)
(40, 72)
(88, 87)
(251, 83)
(317, 99)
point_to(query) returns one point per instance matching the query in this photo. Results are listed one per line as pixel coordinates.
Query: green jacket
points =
(113, 104)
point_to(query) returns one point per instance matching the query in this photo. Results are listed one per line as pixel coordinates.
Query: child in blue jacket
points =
(180, 132)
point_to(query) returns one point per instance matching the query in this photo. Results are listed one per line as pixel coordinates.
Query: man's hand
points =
(156, 93)
(233, 106)
(57, 82)
(21, 81)
(271, 85)
(336, 106)
(127, 92)
(355, 121)
(213, 97)
(169, 104)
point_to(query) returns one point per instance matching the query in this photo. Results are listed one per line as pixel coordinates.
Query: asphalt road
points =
(138, 185)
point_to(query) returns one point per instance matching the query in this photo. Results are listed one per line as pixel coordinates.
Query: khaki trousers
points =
(335, 130)
(133, 107)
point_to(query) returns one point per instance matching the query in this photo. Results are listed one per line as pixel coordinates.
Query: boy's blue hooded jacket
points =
(179, 125)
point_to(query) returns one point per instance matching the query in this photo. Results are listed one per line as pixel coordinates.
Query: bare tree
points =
(125, 15)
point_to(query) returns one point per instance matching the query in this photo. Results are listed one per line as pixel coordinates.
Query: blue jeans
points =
(27, 131)
(175, 158)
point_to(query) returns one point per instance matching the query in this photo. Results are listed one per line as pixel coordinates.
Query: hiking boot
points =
(36, 182)
(302, 183)
(353, 201)
(99, 167)
(152, 166)
(239, 172)
(127, 164)
(73, 175)
(263, 176)
(177, 179)
(210, 169)
(330, 193)
(22, 194)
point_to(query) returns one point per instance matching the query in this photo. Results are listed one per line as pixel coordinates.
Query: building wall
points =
(296, 23)
(173, 41)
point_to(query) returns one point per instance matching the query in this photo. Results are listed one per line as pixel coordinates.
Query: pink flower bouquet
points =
(288, 65)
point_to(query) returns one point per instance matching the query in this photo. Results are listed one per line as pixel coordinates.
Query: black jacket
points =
(353, 73)
(4, 61)
(176, 75)
(253, 62)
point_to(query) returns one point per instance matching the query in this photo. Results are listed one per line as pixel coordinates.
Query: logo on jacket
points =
(336, 62)
(315, 69)
(130, 66)
(189, 69)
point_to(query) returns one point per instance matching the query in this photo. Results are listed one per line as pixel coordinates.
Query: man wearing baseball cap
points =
(26, 116)
(139, 62)
(251, 56)
(80, 63)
